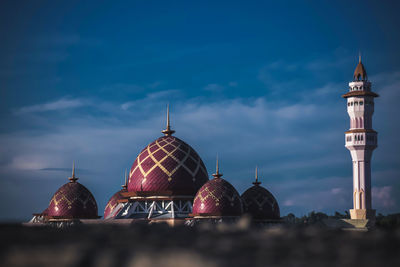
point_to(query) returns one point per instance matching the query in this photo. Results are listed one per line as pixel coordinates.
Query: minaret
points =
(361, 140)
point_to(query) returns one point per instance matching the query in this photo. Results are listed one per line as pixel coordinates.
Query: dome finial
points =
(73, 178)
(168, 131)
(125, 186)
(359, 56)
(257, 182)
(217, 174)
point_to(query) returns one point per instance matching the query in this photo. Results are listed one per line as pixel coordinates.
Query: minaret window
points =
(361, 103)
(352, 103)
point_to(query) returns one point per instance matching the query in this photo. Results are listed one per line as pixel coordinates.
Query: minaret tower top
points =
(360, 73)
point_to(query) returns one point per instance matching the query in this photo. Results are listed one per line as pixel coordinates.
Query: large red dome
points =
(217, 198)
(167, 166)
(260, 203)
(73, 201)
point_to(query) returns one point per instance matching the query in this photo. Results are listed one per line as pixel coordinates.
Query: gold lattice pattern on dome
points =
(209, 194)
(167, 141)
(111, 206)
(260, 204)
(217, 199)
(72, 201)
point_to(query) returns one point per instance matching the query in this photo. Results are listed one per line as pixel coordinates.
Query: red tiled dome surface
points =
(168, 165)
(260, 203)
(112, 203)
(217, 198)
(73, 200)
(45, 212)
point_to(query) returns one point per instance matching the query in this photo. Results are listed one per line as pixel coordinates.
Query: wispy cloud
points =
(382, 196)
(60, 104)
(213, 87)
(164, 96)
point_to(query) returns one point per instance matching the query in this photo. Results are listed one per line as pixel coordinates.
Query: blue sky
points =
(257, 82)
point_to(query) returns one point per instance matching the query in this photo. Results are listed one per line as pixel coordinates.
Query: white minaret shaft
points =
(361, 140)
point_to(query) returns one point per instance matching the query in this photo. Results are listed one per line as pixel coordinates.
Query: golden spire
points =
(168, 131)
(125, 186)
(257, 182)
(73, 178)
(217, 174)
(359, 56)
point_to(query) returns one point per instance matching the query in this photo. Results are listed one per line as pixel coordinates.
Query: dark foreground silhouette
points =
(205, 245)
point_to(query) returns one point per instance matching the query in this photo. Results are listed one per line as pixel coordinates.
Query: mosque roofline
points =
(154, 194)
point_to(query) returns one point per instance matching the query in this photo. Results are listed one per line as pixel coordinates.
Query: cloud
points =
(60, 104)
(336, 190)
(154, 84)
(296, 111)
(232, 84)
(319, 194)
(213, 87)
(382, 196)
(154, 97)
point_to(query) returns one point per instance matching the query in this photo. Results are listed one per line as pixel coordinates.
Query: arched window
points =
(355, 199)
(362, 137)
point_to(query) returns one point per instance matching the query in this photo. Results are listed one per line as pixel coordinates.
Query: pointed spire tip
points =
(217, 174)
(256, 175)
(73, 179)
(168, 131)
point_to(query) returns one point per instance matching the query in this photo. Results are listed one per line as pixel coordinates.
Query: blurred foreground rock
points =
(205, 245)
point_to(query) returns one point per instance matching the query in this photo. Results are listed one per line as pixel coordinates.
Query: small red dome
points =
(260, 203)
(45, 212)
(168, 166)
(112, 204)
(73, 201)
(217, 197)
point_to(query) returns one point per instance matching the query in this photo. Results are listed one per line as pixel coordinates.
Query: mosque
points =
(168, 181)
